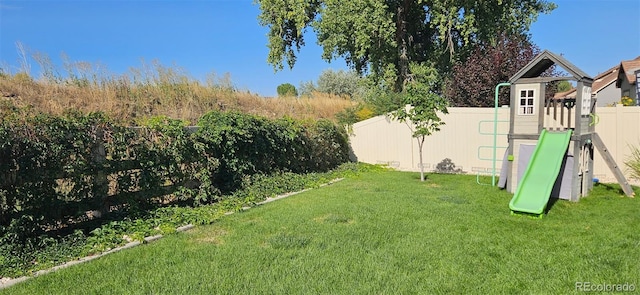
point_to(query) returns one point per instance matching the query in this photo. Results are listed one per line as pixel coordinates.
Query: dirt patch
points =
(212, 236)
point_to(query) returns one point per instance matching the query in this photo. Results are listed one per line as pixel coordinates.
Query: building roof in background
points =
(608, 77)
(571, 93)
(605, 79)
(626, 70)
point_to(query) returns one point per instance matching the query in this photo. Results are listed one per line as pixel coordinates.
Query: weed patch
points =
(215, 236)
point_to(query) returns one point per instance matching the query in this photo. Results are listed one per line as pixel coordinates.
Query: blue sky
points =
(223, 36)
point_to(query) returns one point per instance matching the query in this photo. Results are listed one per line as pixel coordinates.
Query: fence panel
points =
(464, 140)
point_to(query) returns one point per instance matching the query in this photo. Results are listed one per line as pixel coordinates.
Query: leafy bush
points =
(171, 159)
(247, 145)
(57, 168)
(382, 101)
(20, 258)
(307, 88)
(48, 165)
(447, 166)
(287, 89)
(347, 117)
(341, 83)
(355, 114)
(327, 146)
(627, 101)
(244, 145)
(54, 170)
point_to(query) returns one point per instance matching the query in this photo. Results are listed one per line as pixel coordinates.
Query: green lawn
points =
(379, 233)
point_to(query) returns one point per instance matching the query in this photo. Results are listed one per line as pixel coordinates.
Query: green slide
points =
(534, 189)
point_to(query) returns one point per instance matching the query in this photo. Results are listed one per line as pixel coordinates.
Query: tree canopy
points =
(472, 82)
(376, 36)
(405, 47)
(339, 82)
(287, 89)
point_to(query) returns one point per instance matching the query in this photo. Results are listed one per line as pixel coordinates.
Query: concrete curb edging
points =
(7, 282)
(10, 282)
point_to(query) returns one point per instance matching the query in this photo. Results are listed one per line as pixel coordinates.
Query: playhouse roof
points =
(544, 61)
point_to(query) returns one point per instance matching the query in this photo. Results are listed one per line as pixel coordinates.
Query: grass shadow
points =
(611, 187)
(550, 204)
(528, 215)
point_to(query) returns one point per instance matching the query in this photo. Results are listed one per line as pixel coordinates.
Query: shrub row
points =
(55, 169)
(246, 145)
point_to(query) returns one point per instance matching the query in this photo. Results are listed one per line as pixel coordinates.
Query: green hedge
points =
(53, 169)
(246, 145)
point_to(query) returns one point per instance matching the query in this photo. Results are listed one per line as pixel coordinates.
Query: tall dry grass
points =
(148, 91)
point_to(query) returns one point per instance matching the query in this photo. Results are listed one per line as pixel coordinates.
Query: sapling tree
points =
(422, 105)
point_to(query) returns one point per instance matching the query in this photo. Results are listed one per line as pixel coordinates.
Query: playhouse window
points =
(526, 102)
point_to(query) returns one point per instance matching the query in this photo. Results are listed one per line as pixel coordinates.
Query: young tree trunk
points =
(420, 140)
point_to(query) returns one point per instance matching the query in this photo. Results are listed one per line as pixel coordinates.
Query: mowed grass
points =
(379, 233)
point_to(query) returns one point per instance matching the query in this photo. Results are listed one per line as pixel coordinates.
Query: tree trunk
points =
(401, 40)
(420, 140)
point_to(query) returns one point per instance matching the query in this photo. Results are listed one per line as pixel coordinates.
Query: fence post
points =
(100, 188)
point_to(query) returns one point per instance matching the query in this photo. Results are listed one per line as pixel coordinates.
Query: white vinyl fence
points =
(467, 139)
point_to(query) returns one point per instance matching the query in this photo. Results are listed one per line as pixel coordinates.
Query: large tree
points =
(339, 82)
(402, 44)
(375, 36)
(472, 82)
